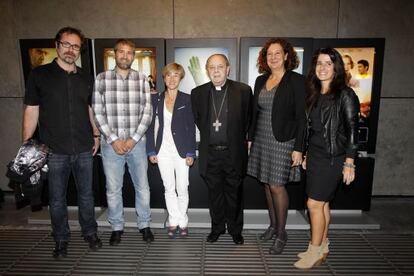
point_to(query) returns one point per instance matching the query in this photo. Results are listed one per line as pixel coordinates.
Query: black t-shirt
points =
(316, 139)
(63, 99)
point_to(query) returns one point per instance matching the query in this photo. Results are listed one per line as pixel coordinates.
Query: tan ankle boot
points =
(313, 258)
(303, 254)
(325, 250)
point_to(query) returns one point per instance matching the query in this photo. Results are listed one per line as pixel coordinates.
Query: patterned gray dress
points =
(269, 160)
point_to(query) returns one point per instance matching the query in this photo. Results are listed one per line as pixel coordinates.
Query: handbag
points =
(294, 174)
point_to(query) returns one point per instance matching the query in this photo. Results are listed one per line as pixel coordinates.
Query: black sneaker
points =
(94, 241)
(61, 250)
(147, 234)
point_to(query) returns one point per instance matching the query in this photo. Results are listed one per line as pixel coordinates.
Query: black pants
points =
(225, 193)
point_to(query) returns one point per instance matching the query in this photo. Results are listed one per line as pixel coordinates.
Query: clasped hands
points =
(188, 160)
(122, 147)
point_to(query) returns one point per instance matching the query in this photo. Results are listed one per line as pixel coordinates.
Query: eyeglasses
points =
(67, 45)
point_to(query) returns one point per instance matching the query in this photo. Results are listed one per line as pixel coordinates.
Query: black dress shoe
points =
(213, 236)
(61, 250)
(147, 234)
(278, 244)
(238, 238)
(115, 237)
(268, 234)
(94, 241)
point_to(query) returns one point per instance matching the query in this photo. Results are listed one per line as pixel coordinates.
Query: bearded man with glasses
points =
(58, 99)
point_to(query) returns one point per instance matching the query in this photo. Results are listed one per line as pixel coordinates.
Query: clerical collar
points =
(220, 88)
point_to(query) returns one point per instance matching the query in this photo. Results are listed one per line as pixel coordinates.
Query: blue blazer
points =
(182, 125)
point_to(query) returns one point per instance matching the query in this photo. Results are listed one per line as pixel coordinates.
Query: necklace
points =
(217, 123)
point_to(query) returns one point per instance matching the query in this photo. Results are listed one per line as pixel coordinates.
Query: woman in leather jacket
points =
(332, 113)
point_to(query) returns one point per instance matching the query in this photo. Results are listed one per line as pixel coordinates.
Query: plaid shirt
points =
(122, 108)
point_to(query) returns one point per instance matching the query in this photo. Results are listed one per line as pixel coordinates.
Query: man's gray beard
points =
(69, 60)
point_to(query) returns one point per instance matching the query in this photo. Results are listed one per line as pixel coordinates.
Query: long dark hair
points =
(314, 84)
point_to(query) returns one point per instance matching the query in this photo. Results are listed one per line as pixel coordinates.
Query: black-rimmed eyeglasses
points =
(67, 45)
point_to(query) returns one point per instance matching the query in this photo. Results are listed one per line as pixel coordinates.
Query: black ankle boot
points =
(279, 243)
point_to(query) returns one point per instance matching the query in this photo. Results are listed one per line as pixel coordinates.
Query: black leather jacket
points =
(339, 117)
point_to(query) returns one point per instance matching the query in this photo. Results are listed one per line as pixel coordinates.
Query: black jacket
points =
(288, 109)
(339, 117)
(239, 114)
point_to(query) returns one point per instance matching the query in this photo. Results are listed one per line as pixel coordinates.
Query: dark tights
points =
(277, 202)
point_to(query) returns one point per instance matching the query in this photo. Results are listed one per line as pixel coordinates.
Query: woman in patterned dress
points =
(277, 131)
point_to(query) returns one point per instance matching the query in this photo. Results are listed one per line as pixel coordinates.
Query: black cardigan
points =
(288, 111)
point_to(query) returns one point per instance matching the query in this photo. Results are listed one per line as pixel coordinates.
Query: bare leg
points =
(327, 215)
(318, 223)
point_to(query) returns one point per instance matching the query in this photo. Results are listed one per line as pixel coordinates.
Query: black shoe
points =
(238, 238)
(147, 234)
(61, 250)
(115, 237)
(94, 241)
(268, 234)
(278, 244)
(213, 236)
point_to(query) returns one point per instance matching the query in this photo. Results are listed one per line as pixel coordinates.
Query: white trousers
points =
(174, 174)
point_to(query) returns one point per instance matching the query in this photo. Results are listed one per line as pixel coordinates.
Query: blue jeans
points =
(60, 167)
(114, 168)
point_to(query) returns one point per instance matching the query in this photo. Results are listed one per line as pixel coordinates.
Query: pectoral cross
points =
(217, 125)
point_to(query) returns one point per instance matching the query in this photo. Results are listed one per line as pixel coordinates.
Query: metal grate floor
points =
(28, 252)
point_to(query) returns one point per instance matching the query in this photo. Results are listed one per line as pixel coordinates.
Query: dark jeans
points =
(60, 167)
(225, 193)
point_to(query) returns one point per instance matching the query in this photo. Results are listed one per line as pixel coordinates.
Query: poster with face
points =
(41, 56)
(359, 68)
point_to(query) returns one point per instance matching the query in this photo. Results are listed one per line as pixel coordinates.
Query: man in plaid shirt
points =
(122, 106)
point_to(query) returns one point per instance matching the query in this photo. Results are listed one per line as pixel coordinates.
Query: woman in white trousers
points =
(171, 145)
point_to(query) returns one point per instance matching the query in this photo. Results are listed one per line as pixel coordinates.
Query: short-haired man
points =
(364, 90)
(222, 110)
(123, 112)
(58, 97)
(363, 66)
